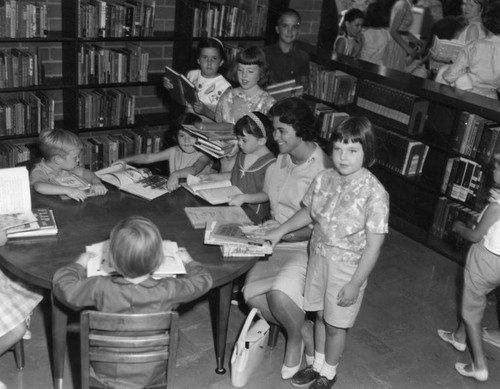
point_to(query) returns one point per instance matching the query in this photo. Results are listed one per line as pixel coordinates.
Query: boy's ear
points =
(57, 159)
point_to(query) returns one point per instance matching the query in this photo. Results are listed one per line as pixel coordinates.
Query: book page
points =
(15, 195)
(99, 264)
(199, 216)
(196, 184)
(120, 177)
(219, 195)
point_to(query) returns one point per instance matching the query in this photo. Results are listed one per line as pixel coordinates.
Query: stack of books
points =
(234, 242)
(285, 89)
(217, 143)
(45, 225)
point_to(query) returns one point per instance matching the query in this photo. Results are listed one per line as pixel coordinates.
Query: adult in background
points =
(276, 286)
(375, 34)
(284, 59)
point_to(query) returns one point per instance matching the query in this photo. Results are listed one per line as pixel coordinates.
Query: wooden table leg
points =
(59, 323)
(221, 308)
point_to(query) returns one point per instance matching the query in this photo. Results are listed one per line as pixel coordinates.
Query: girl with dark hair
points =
(349, 41)
(375, 34)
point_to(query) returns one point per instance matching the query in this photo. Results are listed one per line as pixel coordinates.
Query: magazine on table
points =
(99, 264)
(215, 192)
(199, 216)
(45, 225)
(140, 182)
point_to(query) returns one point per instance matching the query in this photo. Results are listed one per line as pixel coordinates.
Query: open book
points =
(172, 264)
(183, 90)
(199, 216)
(445, 50)
(15, 198)
(285, 89)
(139, 182)
(215, 192)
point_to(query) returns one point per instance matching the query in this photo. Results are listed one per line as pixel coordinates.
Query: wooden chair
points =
(134, 338)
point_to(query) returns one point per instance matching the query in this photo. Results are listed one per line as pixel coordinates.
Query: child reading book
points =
(135, 250)
(183, 159)
(58, 173)
(209, 84)
(255, 141)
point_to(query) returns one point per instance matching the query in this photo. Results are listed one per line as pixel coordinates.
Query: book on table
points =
(15, 195)
(234, 241)
(199, 216)
(140, 182)
(183, 90)
(99, 264)
(45, 225)
(215, 192)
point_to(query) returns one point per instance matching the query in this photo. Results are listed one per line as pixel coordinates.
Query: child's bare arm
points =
(348, 295)
(490, 216)
(47, 188)
(163, 155)
(98, 187)
(254, 198)
(197, 167)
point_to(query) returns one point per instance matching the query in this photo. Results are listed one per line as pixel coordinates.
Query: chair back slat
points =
(128, 338)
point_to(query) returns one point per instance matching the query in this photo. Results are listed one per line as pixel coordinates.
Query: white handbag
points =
(249, 349)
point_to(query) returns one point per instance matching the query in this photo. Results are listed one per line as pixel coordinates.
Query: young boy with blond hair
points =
(59, 168)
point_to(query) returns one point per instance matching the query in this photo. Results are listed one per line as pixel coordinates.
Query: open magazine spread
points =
(99, 264)
(215, 192)
(15, 198)
(234, 242)
(139, 182)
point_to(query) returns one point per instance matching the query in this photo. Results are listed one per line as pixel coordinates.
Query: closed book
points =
(45, 225)
(232, 233)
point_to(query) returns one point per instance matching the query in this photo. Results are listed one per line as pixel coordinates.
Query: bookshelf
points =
(78, 33)
(423, 205)
(196, 19)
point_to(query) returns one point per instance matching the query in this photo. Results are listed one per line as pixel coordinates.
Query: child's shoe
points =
(323, 383)
(478, 375)
(2, 385)
(304, 377)
(449, 337)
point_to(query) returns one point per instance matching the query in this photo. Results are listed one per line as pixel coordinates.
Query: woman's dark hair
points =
(296, 113)
(211, 43)
(375, 16)
(248, 125)
(357, 129)
(491, 18)
(252, 55)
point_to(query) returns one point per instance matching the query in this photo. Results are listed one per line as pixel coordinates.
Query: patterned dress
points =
(209, 89)
(234, 104)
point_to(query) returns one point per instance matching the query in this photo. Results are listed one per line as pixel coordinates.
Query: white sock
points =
(328, 371)
(319, 360)
(309, 360)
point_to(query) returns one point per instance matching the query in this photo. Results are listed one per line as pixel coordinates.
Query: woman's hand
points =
(348, 295)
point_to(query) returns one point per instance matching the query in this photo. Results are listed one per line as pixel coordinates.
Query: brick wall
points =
(310, 11)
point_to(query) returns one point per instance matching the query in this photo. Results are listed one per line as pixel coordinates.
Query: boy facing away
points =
(135, 250)
(59, 167)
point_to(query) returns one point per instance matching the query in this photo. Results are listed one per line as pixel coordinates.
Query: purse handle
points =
(246, 326)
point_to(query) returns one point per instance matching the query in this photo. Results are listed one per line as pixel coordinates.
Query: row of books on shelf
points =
(391, 108)
(26, 116)
(462, 179)
(105, 108)
(102, 151)
(399, 153)
(476, 137)
(447, 212)
(19, 67)
(23, 19)
(328, 119)
(111, 19)
(333, 86)
(12, 153)
(101, 65)
(233, 19)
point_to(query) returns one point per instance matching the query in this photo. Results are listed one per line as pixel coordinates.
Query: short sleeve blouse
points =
(234, 104)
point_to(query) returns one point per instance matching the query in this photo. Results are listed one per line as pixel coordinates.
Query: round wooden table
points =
(35, 260)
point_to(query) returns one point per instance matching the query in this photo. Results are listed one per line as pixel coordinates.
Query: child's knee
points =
(332, 331)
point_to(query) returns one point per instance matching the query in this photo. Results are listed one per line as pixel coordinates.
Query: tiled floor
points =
(411, 293)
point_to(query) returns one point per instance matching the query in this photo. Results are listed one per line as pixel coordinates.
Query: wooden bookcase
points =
(172, 41)
(414, 199)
